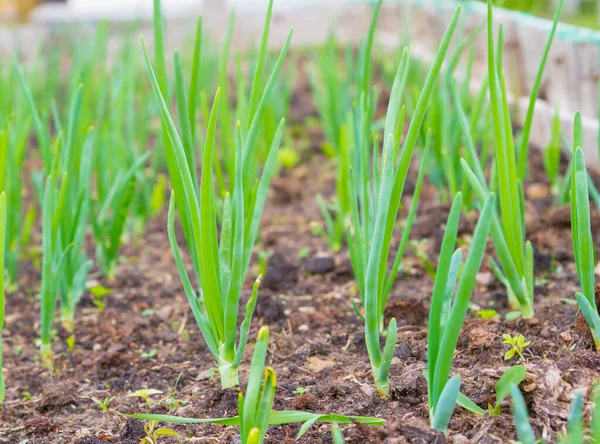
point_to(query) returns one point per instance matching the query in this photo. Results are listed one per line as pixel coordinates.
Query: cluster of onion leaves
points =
(375, 186)
(449, 306)
(584, 248)
(514, 253)
(220, 260)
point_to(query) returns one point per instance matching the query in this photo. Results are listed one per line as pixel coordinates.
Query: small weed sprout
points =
(171, 400)
(300, 391)
(487, 314)
(153, 433)
(512, 376)
(145, 395)
(103, 403)
(517, 344)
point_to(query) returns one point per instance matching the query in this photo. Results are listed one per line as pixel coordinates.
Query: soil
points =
(146, 337)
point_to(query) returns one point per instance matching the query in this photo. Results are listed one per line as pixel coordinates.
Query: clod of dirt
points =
(481, 336)
(319, 264)
(133, 431)
(327, 388)
(410, 387)
(407, 312)
(222, 403)
(280, 273)
(56, 395)
(113, 358)
(270, 309)
(308, 401)
(403, 351)
(415, 430)
(39, 426)
(286, 189)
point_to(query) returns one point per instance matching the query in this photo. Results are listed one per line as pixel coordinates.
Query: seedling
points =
(487, 314)
(288, 157)
(512, 376)
(149, 354)
(336, 434)
(103, 403)
(517, 345)
(171, 400)
(525, 432)
(145, 395)
(333, 229)
(153, 433)
(99, 293)
(13, 148)
(255, 412)
(300, 391)
(449, 306)
(263, 258)
(552, 152)
(112, 210)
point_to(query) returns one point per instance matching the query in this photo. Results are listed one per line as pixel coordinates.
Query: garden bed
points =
(146, 337)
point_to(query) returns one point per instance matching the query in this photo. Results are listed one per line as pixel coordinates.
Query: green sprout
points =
(103, 403)
(487, 314)
(449, 306)
(145, 395)
(517, 345)
(99, 293)
(300, 391)
(576, 429)
(512, 376)
(153, 433)
(171, 400)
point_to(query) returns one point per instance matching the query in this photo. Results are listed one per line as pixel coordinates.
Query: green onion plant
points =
(13, 149)
(514, 253)
(67, 163)
(584, 248)
(445, 171)
(376, 183)
(255, 412)
(221, 262)
(449, 306)
(551, 155)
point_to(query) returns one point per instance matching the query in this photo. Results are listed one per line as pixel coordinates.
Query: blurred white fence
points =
(572, 72)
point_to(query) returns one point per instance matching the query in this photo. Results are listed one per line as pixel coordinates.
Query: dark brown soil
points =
(146, 336)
